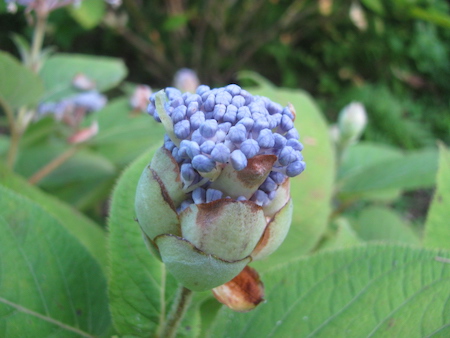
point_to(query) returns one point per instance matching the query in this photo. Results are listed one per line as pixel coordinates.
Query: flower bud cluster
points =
(217, 127)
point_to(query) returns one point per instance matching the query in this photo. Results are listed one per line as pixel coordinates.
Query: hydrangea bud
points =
(216, 195)
(352, 122)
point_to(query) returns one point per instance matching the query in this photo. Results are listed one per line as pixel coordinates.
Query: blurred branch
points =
(52, 165)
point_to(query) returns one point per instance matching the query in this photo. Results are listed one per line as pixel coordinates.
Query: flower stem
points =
(179, 307)
(51, 166)
(38, 40)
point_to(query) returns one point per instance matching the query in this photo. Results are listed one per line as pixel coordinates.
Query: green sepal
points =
(225, 228)
(155, 211)
(275, 233)
(192, 267)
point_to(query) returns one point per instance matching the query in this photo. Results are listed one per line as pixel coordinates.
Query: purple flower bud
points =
(265, 138)
(175, 154)
(193, 149)
(209, 103)
(292, 134)
(207, 147)
(233, 89)
(287, 155)
(178, 114)
(295, 168)
(268, 185)
(286, 123)
(151, 109)
(243, 112)
(220, 153)
(182, 129)
(230, 114)
(274, 108)
(249, 148)
(176, 102)
(192, 109)
(241, 198)
(247, 122)
(172, 93)
(199, 196)
(238, 101)
(277, 177)
(203, 163)
(197, 137)
(209, 128)
(248, 97)
(294, 144)
(280, 141)
(223, 98)
(187, 173)
(213, 195)
(260, 198)
(287, 111)
(260, 124)
(238, 160)
(237, 134)
(225, 126)
(202, 89)
(197, 119)
(169, 145)
(219, 111)
(193, 98)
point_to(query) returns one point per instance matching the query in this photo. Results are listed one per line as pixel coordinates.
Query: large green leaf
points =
(76, 180)
(89, 13)
(437, 227)
(376, 290)
(59, 70)
(384, 224)
(140, 291)
(312, 190)
(340, 235)
(411, 171)
(123, 134)
(49, 285)
(19, 86)
(78, 225)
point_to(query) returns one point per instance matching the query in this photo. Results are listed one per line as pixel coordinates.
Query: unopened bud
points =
(186, 80)
(352, 122)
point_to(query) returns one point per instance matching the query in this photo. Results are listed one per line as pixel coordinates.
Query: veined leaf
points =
(49, 285)
(369, 291)
(437, 227)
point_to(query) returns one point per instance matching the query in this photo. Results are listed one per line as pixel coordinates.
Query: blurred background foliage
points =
(392, 56)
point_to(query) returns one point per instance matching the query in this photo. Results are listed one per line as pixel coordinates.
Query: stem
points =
(51, 166)
(38, 40)
(179, 307)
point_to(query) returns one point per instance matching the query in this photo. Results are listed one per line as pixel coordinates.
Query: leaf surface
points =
(368, 291)
(50, 284)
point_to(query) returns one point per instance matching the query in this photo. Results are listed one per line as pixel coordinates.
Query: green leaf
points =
(139, 290)
(51, 286)
(374, 5)
(86, 231)
(312, 190)
(375, 290)
(384, 224)
(416, 169)
(59, 70)
(431, 15)
(19, 86)
(124, 135)
(89, 13)
(437, 229)
(81, 176)
(341, 235)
